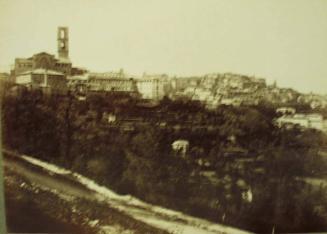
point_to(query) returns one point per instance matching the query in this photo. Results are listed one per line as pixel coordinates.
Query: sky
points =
(279, 40)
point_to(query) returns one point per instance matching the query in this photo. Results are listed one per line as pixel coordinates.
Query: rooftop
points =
(42, 71)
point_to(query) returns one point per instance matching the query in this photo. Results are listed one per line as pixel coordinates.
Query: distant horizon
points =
(282, 41)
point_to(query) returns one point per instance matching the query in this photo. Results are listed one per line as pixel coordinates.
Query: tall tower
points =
(62, 38)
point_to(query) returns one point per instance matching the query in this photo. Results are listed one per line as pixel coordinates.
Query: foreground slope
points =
(77, 192)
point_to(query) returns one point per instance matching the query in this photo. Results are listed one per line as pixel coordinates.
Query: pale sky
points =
(282, 40)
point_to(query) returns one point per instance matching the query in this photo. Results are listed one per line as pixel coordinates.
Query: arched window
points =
(62, 45)
(62, 34)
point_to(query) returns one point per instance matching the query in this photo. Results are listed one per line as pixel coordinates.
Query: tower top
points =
(62, 38)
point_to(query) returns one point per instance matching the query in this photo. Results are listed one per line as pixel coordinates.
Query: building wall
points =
(22, 65)
(44, 60)
(112, 84)
(151, 88)
(315, 121)
(56, 83)
(24, 79)
(64, 67)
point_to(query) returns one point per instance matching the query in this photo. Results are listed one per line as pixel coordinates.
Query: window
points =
(62, 34)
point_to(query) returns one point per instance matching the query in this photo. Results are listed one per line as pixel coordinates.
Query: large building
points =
(315, 121)
(116, 82)
(153, 87)
(44, 69)
(47, 80)
(48, 61)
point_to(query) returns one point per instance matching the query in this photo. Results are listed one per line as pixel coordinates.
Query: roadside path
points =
(65, 182)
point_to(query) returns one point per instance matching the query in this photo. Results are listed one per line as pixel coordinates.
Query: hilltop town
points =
(225, 147)
(57, 75)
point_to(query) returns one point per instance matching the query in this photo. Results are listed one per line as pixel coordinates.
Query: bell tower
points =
(62, 39)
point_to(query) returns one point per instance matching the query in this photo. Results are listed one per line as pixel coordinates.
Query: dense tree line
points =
(73, 134)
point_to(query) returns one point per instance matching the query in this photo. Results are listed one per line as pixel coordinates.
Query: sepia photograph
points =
(163, 117)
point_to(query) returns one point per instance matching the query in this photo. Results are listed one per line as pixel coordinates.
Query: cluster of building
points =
(216, 89)
(290, 119)
(57, 74)
(153, 87)
(313, 100)
(234, 89)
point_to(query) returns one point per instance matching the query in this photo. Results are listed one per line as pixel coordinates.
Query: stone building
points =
(153, 87)
(46, 80)
(48, 61)
(314, 121)
(47, 70)
(111, 82)
(42, 60)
